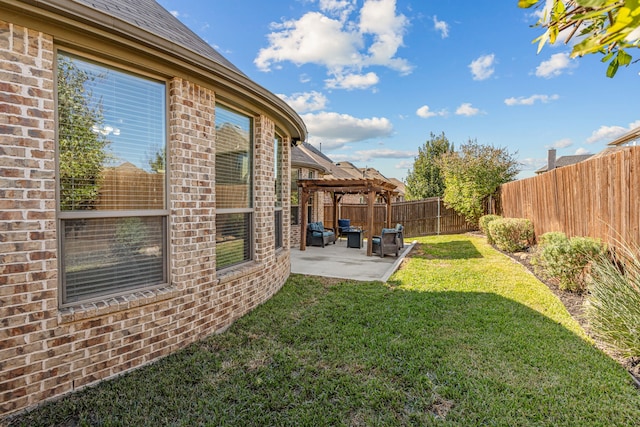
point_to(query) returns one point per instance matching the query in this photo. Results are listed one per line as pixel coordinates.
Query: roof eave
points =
(207, 68)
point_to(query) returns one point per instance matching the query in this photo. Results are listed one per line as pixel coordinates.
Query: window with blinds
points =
(111, 179)
(295, 196)
(234, 185)
(277, 169)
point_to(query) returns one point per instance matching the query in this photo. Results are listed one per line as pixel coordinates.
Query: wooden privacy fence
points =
(419, 218)
(599, 197)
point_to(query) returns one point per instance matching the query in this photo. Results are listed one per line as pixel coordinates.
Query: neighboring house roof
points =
(566, 161)
(299, 158)
(400, 187)
(332, 170)
(632, 136)
(145, 28)
(351, 169)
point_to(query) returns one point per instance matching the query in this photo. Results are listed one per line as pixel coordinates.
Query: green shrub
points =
(511, 234)
(566, 260)
(613, 308)
(484, 225)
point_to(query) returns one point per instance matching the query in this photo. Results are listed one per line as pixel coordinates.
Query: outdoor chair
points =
(343, 225)
(400, 229)
(318, 235)
(386, 243)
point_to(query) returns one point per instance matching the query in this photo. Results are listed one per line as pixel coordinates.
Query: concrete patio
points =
(345, 263)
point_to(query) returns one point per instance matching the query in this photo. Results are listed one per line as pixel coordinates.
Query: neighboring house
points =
(145, 192)
(630, 138)
(401, 188)
(553, 163)
(303, 166)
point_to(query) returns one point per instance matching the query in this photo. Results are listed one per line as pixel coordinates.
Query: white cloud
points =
(531, 100)
(304, 102)
(340, 8)
(441, 26)
(343, 46)
(314, 38)
(562, 143)
(352, 81)
(581, 151)
(606, 133)
(557, 64)
(531, 164)
(425, 112)
(467, 110)
(368, 155)
(482, 68)
(175, 13)
(334, 130)
(405, 164)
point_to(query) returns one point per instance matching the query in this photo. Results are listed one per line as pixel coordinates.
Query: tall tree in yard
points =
(425, 178)
(608, 27)
(474, 173)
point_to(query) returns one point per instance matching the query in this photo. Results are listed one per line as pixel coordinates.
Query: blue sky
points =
(372, 79)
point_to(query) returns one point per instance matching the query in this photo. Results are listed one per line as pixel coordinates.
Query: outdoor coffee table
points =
(354, 237)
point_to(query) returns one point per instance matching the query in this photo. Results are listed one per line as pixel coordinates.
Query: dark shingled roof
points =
(566, 161)
(150, 16)
(300, 158)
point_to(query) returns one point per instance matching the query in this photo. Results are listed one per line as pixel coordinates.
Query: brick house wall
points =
(46, 351)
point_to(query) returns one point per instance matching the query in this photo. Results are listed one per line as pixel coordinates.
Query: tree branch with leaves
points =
(608, 27)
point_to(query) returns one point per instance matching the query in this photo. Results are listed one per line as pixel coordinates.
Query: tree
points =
(608, 27)
(157, 162)
(81, 146)
(473, 174)
(425, 178)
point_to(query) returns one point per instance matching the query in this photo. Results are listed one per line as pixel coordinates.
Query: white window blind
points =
(234, 186)
(112, 185)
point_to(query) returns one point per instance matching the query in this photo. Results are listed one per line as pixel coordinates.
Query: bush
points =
(511, 234)
(484, 225)
(613, 303)
(566, 260)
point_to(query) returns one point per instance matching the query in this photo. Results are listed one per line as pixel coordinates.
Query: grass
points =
(460, 336)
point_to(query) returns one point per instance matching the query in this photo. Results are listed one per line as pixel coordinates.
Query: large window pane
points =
(234, 165)
(234, 183)
(111, 155)
(104, 256)
(233, 239)
(111, 138)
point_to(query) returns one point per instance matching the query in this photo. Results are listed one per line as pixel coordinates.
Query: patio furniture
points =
(386, 243)
(318, 235)
(400, 229)
(355, 237)
(343, 225)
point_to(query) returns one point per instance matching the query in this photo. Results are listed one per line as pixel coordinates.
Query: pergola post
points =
(371, 198)
(304, 201)
(388, 197)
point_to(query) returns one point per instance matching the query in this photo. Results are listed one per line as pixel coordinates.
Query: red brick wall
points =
(46, 351)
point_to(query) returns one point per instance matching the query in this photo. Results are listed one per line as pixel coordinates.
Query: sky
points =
(373, 79)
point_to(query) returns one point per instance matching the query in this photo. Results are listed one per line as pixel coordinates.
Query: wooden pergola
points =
(338, 187)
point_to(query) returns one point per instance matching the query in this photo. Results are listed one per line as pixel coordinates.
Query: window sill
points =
(238, 271)
(83, 311)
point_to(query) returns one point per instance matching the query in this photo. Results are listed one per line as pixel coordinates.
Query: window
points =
(277, 170)
(111, 188)
(295, 197)
(234, 184)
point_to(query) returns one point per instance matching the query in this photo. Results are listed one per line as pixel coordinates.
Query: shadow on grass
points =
(327, 353)
(457, 249)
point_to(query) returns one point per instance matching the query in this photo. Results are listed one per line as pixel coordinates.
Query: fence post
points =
(438, 222)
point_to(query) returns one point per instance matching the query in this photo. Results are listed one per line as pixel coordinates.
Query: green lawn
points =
(461, 335)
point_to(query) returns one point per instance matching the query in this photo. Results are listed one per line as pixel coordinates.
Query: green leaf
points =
(624, 58)
(525, 4)
(612, 68)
